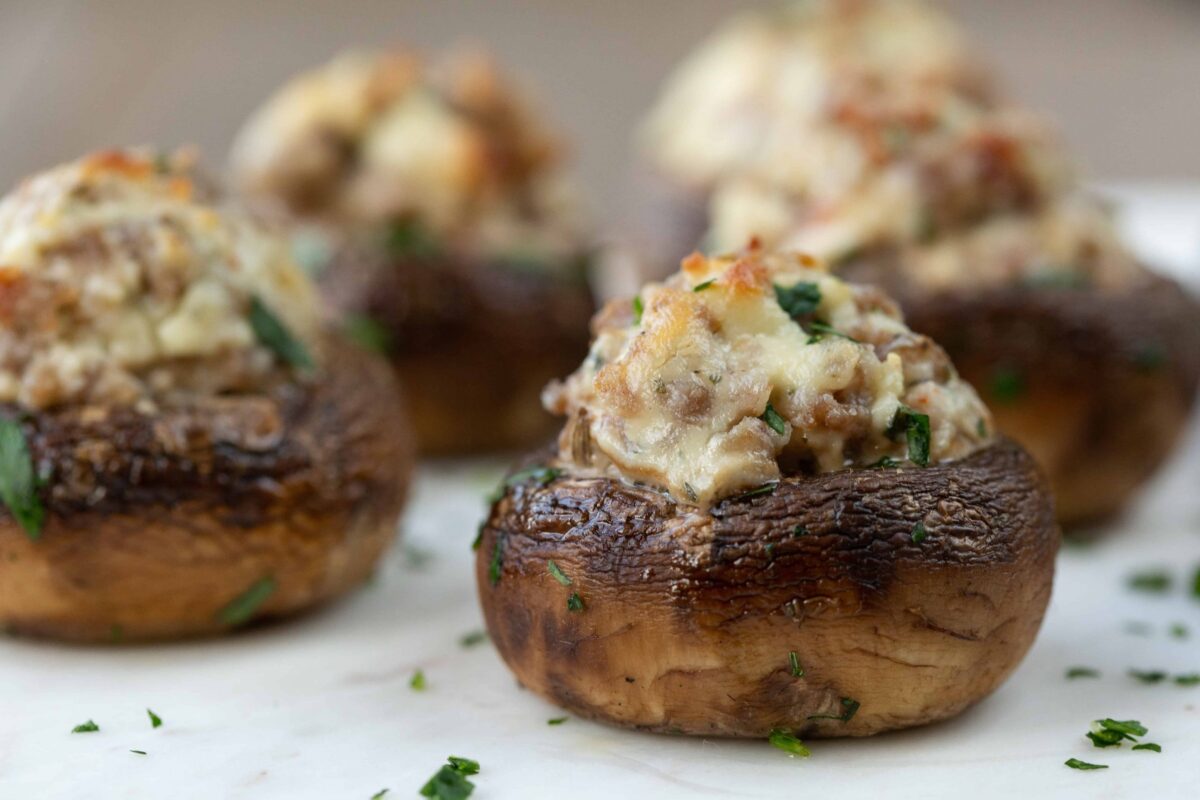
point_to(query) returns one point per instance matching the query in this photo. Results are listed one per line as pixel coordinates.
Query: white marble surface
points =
(321, 707)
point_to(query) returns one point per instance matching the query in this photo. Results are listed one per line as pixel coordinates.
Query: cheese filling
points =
(119, 284)
(741, 369)
(373, 139)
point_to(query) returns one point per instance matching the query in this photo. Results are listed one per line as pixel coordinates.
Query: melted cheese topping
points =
(679, 398)
(761, 89)
(119, 284)
(374, 138)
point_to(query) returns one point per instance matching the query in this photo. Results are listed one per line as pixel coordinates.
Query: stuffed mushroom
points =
(965, 209)
(183, 446)
(772, 507)
(434, 206)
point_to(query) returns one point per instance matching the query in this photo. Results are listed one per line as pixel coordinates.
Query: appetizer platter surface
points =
(346, 702)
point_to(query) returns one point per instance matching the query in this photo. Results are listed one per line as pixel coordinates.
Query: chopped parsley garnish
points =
(915, 426)
(450, 782)
(379, 795)
(18, 481)
(766, 488)
(981, 428)
(773, 420)
(1148, 676)
(1179, 631)
(541, 474)
(410, 239)
(1156, 581)
(473, 638)
(919, 534)
(558, 574)
(1075, 763)
(86, 727)
(138, 752)
(494, 566)
(272, 334)
(1082, 672)
(1007, 385)
(799, 530)
(1196, 584)
(794, 663)
(700, 287)
(464, 766)
(368, 333)
(887, 462)
(851, 707)
(788, 743)
(1189, 679)
(557, 721)
(818, 330)
(691, 493)
(1151, 746)
(574, 602)
(798, 300)
(638, 309)
(155, 719)
(1111, 732)
(245, 605)
(417, 681)
(478, 540)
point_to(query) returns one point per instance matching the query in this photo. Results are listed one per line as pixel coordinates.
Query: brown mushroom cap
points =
(158, 525)
(1098, 385)
(473, 344)
(689, 617)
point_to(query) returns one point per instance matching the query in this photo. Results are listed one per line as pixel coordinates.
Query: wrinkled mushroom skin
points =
(689, 616)
(473, 344)
(1098, 386)
(156, 523)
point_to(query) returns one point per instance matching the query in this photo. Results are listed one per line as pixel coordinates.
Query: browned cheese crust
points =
(1097, 385)
(473, 344)
(688, 617)
(156, 524)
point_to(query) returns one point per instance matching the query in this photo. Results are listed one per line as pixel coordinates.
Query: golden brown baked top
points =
(120, 284)
(384, 137)
(764, 87)
(742, 368)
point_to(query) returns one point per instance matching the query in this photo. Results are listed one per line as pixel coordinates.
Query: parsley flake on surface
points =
(1155, 581)
(473, 638)
(1111, 732)
(788, 743)
(379, 795)
(86, 727)
(1151, 746)
(574, 602)
(155, 719)
(1082, 672)
(1190, 679)
(245, 605)
(773, 420)
(558, 574)
(1196, 584)
(1148, 675)
(464, 766)
(798, 300)
(138, 752)
(274, 335)
(494, 568)
(818, 330)
(1007, 385)
(417, 682)
(794, 664)
(1178, 631)
(915, 426)
(18, 481)
(919, 534)
(368, 333)
(851, 707)
(1075, 763)
(557, 720)
(410, 239)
